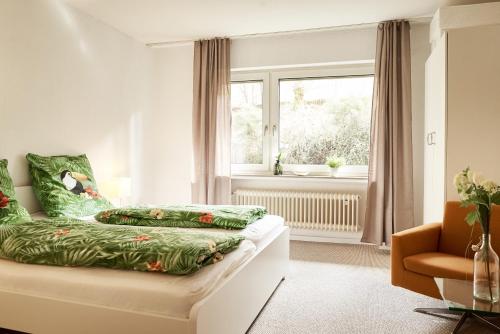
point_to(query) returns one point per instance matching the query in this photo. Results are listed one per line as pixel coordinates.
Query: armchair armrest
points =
(420, 239)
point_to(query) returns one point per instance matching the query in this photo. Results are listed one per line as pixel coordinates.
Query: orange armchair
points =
(438, 250)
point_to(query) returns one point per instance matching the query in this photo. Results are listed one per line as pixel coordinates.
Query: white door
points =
(435, 133)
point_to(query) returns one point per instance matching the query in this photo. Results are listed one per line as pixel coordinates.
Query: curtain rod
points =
(416, 20)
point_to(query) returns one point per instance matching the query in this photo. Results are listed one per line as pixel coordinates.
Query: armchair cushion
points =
(436, 264)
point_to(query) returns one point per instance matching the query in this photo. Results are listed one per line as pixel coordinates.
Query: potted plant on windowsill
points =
(335, 163)
(278, 168)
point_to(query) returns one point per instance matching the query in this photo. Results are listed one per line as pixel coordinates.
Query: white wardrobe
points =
(462, 111)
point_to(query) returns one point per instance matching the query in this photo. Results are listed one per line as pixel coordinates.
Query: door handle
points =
(431, 138)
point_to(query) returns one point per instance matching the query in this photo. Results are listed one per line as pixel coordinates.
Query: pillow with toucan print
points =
(10, 209)
(65, 185)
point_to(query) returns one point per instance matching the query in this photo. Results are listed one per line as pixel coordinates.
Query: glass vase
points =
(486, 268)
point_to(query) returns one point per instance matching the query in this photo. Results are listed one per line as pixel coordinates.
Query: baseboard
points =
(324, 236)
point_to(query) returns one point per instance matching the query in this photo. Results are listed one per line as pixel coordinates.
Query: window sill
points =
(297, 178)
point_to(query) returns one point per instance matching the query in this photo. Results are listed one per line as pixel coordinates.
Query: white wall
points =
(304, 48)
(168, 142)
(473, 100)
(69, 85)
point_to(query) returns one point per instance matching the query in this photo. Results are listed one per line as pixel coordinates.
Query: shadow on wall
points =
(72, 85)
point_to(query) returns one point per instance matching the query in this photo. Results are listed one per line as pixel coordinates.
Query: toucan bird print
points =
(73, 181)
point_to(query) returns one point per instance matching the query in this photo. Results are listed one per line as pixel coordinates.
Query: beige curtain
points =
(211, 181)
(389, 206)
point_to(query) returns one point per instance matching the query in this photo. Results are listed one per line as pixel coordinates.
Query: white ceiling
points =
(153, 21)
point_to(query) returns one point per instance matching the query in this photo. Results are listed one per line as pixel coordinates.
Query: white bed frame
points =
(230, 308)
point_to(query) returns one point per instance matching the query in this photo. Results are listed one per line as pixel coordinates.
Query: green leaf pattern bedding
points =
(216, 216)
(141, 239)
(65, 185)
(70, 242)
(10, 209)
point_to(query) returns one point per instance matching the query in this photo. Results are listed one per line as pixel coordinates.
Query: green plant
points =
(335, 162)
(278, 168)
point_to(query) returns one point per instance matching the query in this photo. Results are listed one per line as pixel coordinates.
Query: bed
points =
(221, 298)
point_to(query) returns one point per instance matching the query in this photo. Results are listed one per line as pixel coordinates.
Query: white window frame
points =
(271, 115)
(264, 166)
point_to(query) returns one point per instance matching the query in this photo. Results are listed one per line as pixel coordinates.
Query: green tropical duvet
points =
(70, 242)
(217, 216)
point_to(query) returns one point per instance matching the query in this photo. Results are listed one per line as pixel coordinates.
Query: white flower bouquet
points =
(478, 192)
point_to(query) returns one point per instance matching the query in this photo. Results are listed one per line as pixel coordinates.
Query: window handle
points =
(266, 128)
(274, 130)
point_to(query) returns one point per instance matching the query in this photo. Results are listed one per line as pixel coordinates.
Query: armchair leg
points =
(461, 322)
(436, 311)
(439, 312)
(486, 322)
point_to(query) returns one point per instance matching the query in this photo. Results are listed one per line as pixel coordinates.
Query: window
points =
(310, 115)
(323, 117)
(250, 122)
(246, 126)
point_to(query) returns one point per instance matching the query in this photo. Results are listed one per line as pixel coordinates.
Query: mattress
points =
(152, 293)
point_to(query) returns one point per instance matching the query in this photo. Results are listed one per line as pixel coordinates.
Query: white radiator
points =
(307, 210)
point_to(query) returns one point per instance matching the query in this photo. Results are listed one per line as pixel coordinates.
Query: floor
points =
(333, 288)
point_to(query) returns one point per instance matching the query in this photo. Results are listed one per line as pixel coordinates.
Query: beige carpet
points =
(333, 288)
